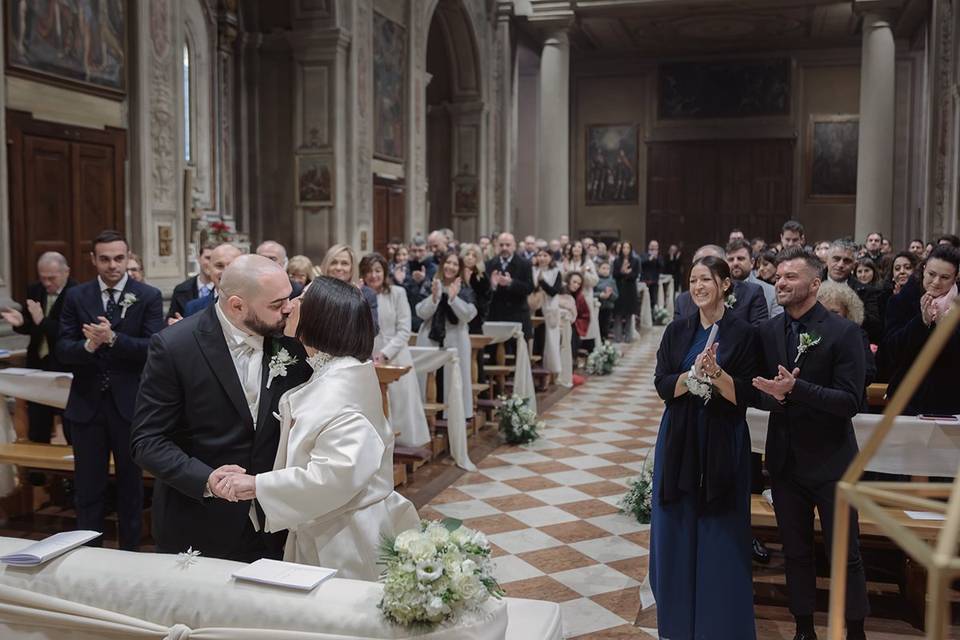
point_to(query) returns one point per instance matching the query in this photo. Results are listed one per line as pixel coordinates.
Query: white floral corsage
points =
(729, 301)
(188, 557)
(699, 387)
(807, 342)
(128, 301)
(279, 363)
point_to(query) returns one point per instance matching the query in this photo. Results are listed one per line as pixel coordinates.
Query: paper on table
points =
(924, 515)
(40, 552)
(284, 574)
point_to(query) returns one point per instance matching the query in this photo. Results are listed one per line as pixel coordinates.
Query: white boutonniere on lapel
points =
(729, 301)
(128, 301)
(807, 342)
(279, 363)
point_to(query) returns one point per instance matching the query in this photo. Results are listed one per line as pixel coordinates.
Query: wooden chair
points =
(402, 456)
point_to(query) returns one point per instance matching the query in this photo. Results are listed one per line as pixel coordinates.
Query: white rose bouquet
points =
(602, 359)
(518, 422)
(638, 500)
(436, 573)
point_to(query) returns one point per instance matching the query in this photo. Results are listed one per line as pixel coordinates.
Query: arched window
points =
(187, 106)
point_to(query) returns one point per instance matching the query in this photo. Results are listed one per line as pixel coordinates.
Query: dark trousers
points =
(605, 318)
(40, 417)
(794, 501)
(93, 442)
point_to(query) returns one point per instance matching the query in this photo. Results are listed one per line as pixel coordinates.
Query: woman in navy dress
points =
(700, 554)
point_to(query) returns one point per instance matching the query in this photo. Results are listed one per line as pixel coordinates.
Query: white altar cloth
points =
(429, 359)
(913, 447)
(523, 375)
(91, 594)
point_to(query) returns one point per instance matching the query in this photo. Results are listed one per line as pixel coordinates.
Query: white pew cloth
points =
(646, 312)
(667, 294)
(913, 447)
(565, 379)
(91, 594)
(523, 375)
(429, 359)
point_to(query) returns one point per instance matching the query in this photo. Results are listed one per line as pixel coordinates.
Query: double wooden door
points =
(698, 191)
(389, 219)
(66, 186)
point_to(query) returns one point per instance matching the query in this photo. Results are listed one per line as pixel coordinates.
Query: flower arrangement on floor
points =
(637, 501)
(436, 573)
(518, 422)
(602, 359)
(660, 315)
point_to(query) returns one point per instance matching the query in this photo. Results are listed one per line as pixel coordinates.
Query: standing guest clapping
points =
(626, 269)
(105, 328)
(511, 281)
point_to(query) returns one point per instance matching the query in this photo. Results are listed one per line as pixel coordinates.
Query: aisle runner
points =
(549, 508)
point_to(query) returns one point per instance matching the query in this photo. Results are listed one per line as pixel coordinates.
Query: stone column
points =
(227, 36)
(553, 208)
(503, 206)
(876, 154)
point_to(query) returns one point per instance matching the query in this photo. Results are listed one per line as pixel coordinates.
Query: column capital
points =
(888, 9)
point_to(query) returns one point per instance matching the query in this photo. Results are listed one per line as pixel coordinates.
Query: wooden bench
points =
(386, 375)
(877, 395)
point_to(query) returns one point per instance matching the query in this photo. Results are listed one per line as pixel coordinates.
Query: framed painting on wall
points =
(315, 180)
(389, 48)
(611, 164)
(80, 44)
(831, 158)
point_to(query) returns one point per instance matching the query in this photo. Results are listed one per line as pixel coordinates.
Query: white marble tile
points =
(523, 540)
(594, 580)
(540, 444)
(604, 436)
(507, 472)
(550, 432)
(523, 457)
(562, 423)
(595, 448)
(609, 549)
(614, 426)
(543, 516)
(575, 477)
(582, 616)
(511, 568)
(624, 416)
(488, 490)
(465, 509)
(614, 499)
(618, 523)
(586, 462)
(559, 495)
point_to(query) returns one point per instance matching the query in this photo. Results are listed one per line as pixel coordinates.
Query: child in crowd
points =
(606, 292)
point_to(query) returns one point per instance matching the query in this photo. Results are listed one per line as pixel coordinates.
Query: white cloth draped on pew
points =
(429, 359)
(565, 377)
(91, 594)
(913, 447)
(667, 294)
(646, 312)
(522, 375)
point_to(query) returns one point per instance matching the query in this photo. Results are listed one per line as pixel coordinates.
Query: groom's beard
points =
(261, 328)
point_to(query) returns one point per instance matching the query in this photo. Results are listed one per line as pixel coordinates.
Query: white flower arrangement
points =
(518, 422)
(807, 342)
(602, 359)
(128, 301)
(638, 500)
(660, 315)
(700, 387)
(188, 557)
(436, 573)
(279, 363)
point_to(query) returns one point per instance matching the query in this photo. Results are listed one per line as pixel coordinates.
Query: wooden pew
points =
(877, 395)
(402, 456)
(481, 414)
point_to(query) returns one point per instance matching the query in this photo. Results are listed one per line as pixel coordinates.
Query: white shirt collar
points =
(204, 285)
(120, 286)
(235, 336)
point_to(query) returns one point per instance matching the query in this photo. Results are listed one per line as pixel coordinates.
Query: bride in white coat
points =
(332, 483)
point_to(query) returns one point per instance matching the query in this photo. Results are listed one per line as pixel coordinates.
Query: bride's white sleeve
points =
(345, 456)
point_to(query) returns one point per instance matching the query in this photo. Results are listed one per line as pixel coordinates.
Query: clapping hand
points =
(419, 274)
(215, 478)
(505, 279)
(98, 334)
(928, 310)
(780, 386)
(36, 311)
(13, 317)
(706, 362)
(436, 287)
(400, 274)
(454, 289)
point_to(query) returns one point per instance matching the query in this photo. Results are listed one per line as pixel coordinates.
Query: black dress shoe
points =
(761, 554)
(805, 635)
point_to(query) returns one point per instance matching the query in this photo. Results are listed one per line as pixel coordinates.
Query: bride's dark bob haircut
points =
(335, 319)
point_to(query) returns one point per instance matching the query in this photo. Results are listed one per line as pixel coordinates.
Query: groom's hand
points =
(218, 475)
(238, 485)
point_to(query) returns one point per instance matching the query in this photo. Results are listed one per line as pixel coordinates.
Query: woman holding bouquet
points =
(700, 541)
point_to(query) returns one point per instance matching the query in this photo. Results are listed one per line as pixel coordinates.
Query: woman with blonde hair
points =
(340, 263)
(475, 277)
(300, 270)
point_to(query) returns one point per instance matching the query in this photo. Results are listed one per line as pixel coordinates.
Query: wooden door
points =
(388, 214)
(66, 186)
(699, 191)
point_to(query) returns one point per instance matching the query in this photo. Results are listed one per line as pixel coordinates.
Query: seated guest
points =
(300, 271)
(220, 259)
(446, 313)
(938, 393)
(198, 286)
(278, 253)
(904, 264)
(606, 292)
(332, 483)
(511, 281)
(765, 267)
(746, 302)
(867, 272)
(844, 302)
(840, 268)
(42, 323)
(135, 267)
(392, 346)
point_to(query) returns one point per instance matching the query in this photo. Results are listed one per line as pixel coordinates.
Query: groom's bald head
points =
(247, 275)
(254, 292)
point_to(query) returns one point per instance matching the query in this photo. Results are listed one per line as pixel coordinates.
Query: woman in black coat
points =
(626, 269)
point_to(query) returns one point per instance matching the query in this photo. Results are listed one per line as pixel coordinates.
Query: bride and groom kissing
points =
(261, 421)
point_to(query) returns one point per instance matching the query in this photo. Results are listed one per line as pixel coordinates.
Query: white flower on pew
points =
(188, 557)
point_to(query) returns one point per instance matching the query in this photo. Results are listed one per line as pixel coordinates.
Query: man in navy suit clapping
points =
(105, 329)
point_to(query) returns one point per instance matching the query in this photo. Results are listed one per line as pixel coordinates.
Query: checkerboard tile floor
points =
(550, 507)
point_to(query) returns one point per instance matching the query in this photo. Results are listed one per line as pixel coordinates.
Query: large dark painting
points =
(81, 43)
(724, 89)
(832, 147)
(612, 164)
(389, 47)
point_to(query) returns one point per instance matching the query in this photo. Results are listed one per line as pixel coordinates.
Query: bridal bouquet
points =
(637, 501)
(436, 573)
(518, 422)
(602, 359)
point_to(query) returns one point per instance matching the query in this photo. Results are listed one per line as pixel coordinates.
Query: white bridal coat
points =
(332, 483)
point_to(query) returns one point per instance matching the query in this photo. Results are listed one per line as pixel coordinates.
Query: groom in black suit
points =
(813, 363)
(105, 326)
(207, 406)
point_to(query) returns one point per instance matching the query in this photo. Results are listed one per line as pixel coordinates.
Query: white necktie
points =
(249, 356)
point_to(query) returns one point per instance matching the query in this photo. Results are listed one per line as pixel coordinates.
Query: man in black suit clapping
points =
(105, 329)
(813, 368)
(511, 281)
(41, 322)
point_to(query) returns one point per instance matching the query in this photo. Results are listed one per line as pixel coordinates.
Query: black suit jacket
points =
(48, 328)
(509, 304)
(191, 418)
(120, 364)
(750, 307)
(813, 430)
(182, 294)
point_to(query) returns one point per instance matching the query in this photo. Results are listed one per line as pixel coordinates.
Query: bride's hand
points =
(239, 486)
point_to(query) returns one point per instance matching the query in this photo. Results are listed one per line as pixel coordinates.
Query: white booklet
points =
(284, 574)
(55, 545)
